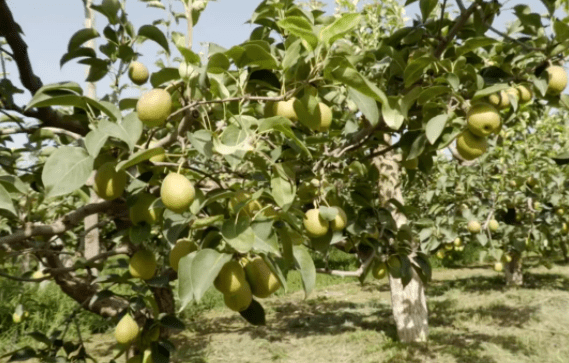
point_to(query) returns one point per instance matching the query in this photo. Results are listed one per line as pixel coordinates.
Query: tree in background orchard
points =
(515, 193)
(240, 162)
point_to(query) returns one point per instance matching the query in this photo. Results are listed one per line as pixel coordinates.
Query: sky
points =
(49, 24)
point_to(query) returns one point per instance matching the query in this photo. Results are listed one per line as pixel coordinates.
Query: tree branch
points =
(452, 33)
(10, 30)
(63, 224)
(356, 273)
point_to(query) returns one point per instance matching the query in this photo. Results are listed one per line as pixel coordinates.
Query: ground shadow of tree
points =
(547, 281)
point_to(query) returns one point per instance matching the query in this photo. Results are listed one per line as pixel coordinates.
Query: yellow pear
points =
(240, 300)
(231, 278)
(177, 192)
(493, 225)
(147, 358)
(135, 359)
(410, 164)
(499, 267)
(285, 109)
(379, 270)
(262, 280)
(470, 146)
(109, 184)
(38, 274)
(394, 264)
(315, 225)
(341, 220)
(182, 248)
(127, 330)
(457, 242)
(250, 209)
(440, 254)
(499, 100)
(154, 107)
(140, 212)
(483, 119)
(474, 227)
(323, 117)
(142, 264)
(449, 246)
(138, 73)
(16, 318)
(157, 158)
(525, 93)
(557, 79)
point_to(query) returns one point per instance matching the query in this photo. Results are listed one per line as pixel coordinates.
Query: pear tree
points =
(294, 142)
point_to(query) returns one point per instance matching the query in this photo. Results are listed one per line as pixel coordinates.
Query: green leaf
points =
(435, 127)
(76, 53)
(133, 127)
(164, 75)
(490, 90)
(417, 68)
(139, 157)
(472, 44)
(427, 7)
(116, 130)
(238, 234)
(171, 322)
(45, 100)
(265, 238)
(196, 274)
(341, 70)
(13, 184)
(417, 147)
(66, 170)
(283, 191)
(283, 125)
(81, 37)
(339, 28)
(391, 112)
(153, 33)
(6, 201)
(367, 105)
(94, 141)
(307, 269)
(300, 27)
(218, 63)
(202, 142)
(561, 31)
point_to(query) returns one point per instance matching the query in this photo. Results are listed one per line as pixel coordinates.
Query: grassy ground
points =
(473, 318)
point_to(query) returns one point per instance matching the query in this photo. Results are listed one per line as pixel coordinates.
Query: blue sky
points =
(48, 25)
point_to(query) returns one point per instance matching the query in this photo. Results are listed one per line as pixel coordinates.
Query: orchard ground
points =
(473, 318)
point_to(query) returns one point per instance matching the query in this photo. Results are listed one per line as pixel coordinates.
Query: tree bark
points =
(563, 246)
(513, 271)
(408, 303)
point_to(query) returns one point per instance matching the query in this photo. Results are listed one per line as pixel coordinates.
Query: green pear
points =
(177, 192)
(470, 146)
(483, 119)
(154, 107)
(138, 73)
(557, 77)
(109, 184)
(315, 225)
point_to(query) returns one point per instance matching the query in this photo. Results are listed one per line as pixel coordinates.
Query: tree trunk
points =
(563, 246)
(92, 246)
(408, 303)
(513, 271)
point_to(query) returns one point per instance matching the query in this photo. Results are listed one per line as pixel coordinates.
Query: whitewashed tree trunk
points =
(408, 303)
(513, 271)
(91, 242)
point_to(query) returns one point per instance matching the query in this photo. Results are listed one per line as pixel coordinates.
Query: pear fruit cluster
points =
(319, 118)
(316, 226)
(240, 281)
(482, 120)
(231, 281)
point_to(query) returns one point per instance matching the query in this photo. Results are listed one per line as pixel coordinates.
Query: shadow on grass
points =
(542, 281)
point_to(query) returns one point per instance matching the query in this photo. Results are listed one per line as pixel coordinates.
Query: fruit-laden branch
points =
(24, 279)
(65, 223)
(451, 34)
(10, 30)
(14, 130)
(234, 99)
(119, 251)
